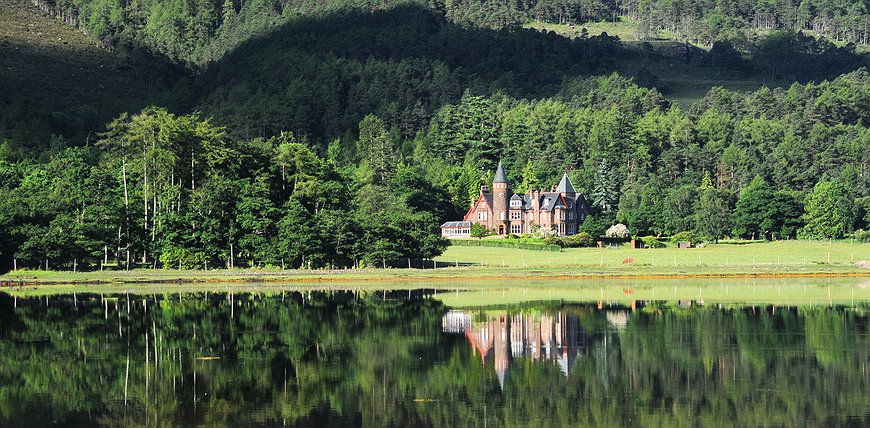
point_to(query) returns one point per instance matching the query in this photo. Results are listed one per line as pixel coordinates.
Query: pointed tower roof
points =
(500, 176)
(565, 185)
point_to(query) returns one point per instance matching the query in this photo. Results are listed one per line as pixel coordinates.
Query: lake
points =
(426, 357)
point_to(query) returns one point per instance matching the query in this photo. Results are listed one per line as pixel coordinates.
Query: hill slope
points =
(57, 80)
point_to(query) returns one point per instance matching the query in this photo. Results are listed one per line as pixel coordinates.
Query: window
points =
(570, 215)
(481, 215)
(501, 215)
(561, 229)
(516, 203)
(515, 215)
(582, 217)
(561, 215)
(570, 229)
(516, 229)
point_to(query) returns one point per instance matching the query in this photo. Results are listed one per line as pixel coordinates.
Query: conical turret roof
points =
(565, 185)
(500, 176)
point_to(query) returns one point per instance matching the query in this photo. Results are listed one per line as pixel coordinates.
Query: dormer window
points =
(516, 203)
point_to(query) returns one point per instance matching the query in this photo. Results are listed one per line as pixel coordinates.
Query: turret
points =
(501, 194)
(565, 188)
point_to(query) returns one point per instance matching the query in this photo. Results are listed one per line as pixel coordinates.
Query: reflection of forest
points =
(558, 338)
(395, 359)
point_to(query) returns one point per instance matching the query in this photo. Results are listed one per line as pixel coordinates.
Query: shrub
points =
(505, 243)
(618, 230)
(579, 240)
(479, 231)
(652, 242)
(685, 236)
(862, 235)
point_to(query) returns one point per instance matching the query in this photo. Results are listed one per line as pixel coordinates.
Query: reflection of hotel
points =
(558, 338)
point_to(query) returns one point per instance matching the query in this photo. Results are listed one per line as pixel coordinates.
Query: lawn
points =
(784, 258)
(780, 256)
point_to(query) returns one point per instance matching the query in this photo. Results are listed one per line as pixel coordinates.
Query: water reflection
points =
(403, 359)
(557, 338)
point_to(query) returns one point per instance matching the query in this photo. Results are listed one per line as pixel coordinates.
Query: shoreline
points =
(171, 277)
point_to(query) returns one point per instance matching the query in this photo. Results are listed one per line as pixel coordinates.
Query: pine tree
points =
(605, 193)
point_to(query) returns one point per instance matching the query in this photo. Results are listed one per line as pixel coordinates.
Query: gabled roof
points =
(516, 197)
(485, 199)
(500, 176)
(565, 185)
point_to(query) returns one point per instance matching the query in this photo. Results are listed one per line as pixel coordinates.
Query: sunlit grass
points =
(780, 256)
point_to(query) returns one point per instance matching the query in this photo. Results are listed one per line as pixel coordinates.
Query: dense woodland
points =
(300, 148)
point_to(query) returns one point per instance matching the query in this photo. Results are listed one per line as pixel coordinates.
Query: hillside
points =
(57, 80)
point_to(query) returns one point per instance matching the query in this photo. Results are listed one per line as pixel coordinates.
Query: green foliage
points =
(827, 211)
(578, 240)
(713, 216)
(652, 242)
(541, 245)
(479, 231)
(595, 226)
(688, 236)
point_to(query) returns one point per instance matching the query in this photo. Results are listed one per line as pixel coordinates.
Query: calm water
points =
(387, 359)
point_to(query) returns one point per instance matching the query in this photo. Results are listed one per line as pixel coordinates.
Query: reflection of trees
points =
(345, 359)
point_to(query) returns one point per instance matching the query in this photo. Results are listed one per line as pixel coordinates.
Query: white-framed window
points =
(516, 228)
(570, 229)
(516, 203)
(516, 215)
(570, 215)
(561, 215)
(481, 215)
(561, 229)
(501, 215)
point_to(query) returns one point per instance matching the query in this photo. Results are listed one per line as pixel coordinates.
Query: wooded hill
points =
(350, 136)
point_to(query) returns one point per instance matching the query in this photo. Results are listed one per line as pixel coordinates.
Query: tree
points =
(479, 231)
(827, 211)
(618, 230)
(376, 150)
(713, 216)
(605, 194)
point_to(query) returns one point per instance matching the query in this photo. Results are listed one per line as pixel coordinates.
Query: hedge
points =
(503, 243)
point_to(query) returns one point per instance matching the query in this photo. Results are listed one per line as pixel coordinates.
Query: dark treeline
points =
(360, 360)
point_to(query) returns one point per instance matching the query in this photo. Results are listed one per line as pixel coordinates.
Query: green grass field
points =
(780, 256)
(481, 263)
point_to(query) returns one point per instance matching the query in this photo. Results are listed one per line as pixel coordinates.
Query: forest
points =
(297, 148)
